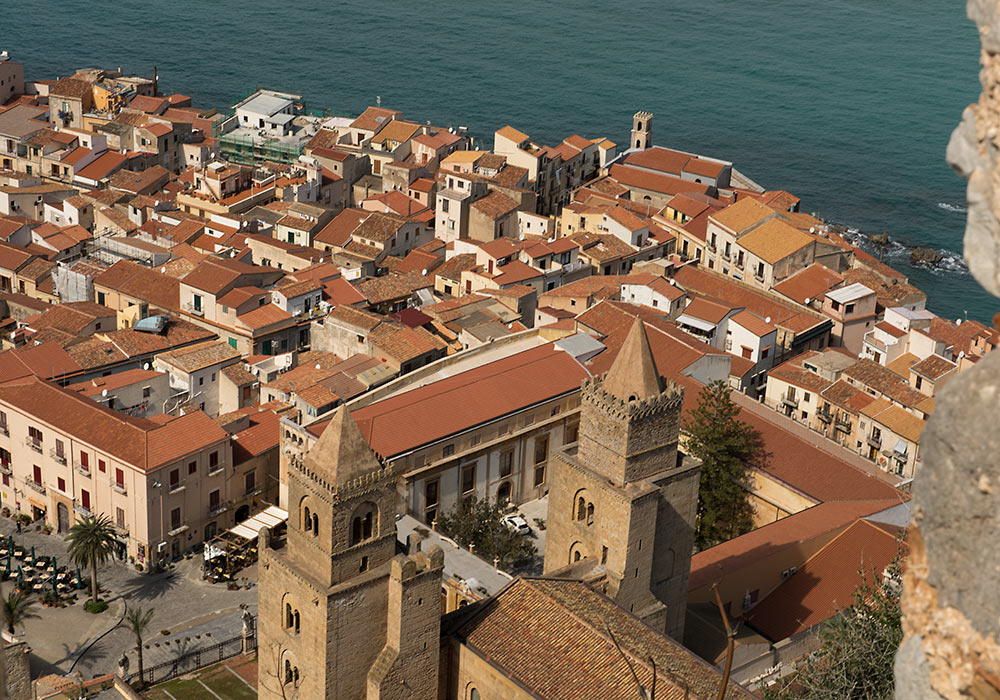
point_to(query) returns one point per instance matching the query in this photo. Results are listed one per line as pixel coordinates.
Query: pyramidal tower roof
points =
(633, 374)
(341, 453)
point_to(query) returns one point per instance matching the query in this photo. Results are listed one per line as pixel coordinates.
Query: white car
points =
(517, 524)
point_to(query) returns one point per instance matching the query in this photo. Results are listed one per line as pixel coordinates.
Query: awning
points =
(900, 448)
(248, 530)
(696, 323)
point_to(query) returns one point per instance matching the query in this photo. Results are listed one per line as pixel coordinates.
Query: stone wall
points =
(951, 600)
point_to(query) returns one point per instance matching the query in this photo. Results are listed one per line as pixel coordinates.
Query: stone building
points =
(624, 486)
(374, 625)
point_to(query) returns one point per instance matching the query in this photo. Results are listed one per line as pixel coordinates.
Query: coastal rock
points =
(927, 256)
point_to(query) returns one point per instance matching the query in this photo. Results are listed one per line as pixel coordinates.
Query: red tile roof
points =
(654, 182)
(825, 584)
(809, 284)
(448, 406)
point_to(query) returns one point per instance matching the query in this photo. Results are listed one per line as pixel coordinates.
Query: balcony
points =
(759, 276)
(215, 471)
(6, 469)
(874, 441)
(122, 530)
(4, 430)
(196, 310)
(58, 456)
(727, 256)
(82, 510)
(177, 530)
(40, 488)
(842, 424)
(220, 508)
(83, 469)
(253, 492)
(36, 445)
(120, 488)
(789, 401)
(711, 248)
(824, 415)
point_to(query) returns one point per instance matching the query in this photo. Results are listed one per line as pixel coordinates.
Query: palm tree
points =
(137, 620)
(91, 541)
(17, 609)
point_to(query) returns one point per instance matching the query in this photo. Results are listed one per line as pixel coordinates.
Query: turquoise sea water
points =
(846, 103)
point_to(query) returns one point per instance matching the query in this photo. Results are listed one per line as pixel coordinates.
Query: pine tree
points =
(480, 522)
(727, 448)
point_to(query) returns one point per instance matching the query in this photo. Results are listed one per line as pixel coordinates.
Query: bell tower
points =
(622, 507)
(342, 615)
(642, 131)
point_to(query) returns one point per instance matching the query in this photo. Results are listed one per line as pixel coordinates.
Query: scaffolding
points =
(248, 150)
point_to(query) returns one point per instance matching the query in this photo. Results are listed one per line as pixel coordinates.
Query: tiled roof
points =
(515, 272)
(114, 381)
(356, 317)
(825, 584)
(374, 118)
(933, 367)
(581, 660)
(102, 166)
(654, 182)
(263, 316)
(707, 310)
(846, 396)
(752, 323)
(453, 268)
(142, 283)
(884, 381)
(196, 357)
(450, 405)
(774, 240)
(142, 443)
(393, 286)
(12, 257)
(743, 214)
(495, 204)
(71, 87)
(809, 284)
(405, 344)
(339, 229)
(47, 360)
(602, 247)
(380, 226)
(71, 317)
(797, 376)
(238, 374)
(726, 559)
(513, 134)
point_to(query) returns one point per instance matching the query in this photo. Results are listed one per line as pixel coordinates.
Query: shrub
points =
(95, 607)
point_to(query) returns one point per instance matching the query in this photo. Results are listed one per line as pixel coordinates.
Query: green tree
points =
(480, 522)
(91, 541)
(857, 646)
(727, 448)
(137, 620)
(16, 609)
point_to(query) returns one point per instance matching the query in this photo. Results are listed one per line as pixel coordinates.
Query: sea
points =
(848, 104)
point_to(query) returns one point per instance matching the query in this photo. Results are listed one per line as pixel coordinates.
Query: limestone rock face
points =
(951, 583)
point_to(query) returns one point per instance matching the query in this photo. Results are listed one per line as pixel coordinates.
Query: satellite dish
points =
(767, 320)
(145, 365)
(808, 301)
(104, 392)
(961, 354)
(812, 229)
(163, 270)
(317, 366)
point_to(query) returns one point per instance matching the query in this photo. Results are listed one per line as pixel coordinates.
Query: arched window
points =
(581, 508)
(637, 143)
(363, 524)
(576, 556)
(590, 513)
(296, 621)
(289, 616)
(288, 671)
(315, 525)
(474, 694)
(306, 520)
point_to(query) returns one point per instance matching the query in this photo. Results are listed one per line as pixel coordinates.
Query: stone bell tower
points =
(642, 131)
(622, 507)
(341, 614)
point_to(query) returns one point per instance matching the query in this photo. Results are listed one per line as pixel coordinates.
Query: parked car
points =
(516, 523)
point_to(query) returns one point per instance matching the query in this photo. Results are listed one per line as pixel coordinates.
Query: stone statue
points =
(247, 618)
(123, 664)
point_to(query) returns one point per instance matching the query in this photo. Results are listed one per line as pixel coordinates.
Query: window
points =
(146, 391)
(250, 481)
(201, 381)
(919, 383)
(806, 396)
(213, 461)
(102, 465)
(61, 484)
(764, 353)
(541, 450)
(572, 433)
(175, 518)
(448, 450)
(175, 478)
(4, 457)
(119, 478)
(85, 498)
(362, 526)
(539, 475)
(61, 450)
(36, 436)
(506, 462)
(36, 474)
(192, 467)
(468, 478)
(3, 421)
(746, 352)
(214, 499)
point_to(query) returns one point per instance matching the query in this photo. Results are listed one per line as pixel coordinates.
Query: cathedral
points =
(346, 614)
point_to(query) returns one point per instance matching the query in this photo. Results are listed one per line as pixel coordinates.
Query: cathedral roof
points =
(633, 374)
(341, 453)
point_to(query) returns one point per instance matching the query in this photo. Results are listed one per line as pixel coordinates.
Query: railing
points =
(120, 488)
(40, 488)
(875, 441)
(5, 468)
(220, 508)
(711, 248)
(81, 468)
(790, 401)
(824, 415)
(842, 424)
(199, 658)
(33, 444)
(81, 509)
(196, 310)
(253, 492)
(57, 456)
(4, 430)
